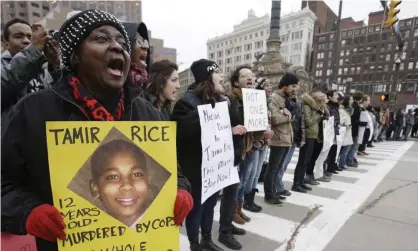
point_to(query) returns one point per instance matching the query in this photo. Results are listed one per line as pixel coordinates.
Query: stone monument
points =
(271, 64)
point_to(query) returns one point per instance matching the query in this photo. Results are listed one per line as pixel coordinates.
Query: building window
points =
(409, 23)
(377, 28)
(219, 53)
(293, 24)
(363, 31)
(416, 32)
(296, 47)
(349, 33)
(45, 8)
(228, 60)
(245, 38)
(357, 31)
(210, 48)
(301, 22)
(251, 36)
(256, 34)
(22, 14)
(262, 33)
(342, 43)
(410, 65)
(248, 56)
(341, 62)
(34, 5)
(371, 29)
(212, 55)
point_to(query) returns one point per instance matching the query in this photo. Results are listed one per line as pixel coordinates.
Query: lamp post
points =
(336, 47)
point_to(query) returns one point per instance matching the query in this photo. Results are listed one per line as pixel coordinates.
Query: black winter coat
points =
(334, 110)
(298, 123)
(189, 146)
(25, 180)
(355, 119)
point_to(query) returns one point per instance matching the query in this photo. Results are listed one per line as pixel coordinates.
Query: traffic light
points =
(384, 97)
(391, 19)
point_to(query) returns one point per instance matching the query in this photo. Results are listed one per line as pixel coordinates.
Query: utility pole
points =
(336, 48)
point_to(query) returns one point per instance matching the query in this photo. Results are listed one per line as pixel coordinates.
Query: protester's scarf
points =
(91, 107)
(138, 76)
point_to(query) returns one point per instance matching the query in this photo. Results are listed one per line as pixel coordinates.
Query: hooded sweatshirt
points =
(138, 76)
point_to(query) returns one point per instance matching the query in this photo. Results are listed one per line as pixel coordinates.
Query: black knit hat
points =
(260, 83)
(76, 29)
(202, 69)
(288, 79)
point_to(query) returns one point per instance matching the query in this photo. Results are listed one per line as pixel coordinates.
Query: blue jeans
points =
(343, 155)
(276, 160)
(288, 158)
(352, 152)
(258, 160)
(244, 172)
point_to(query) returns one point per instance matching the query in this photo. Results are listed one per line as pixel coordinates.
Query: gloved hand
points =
(182, 207)
(46, 222)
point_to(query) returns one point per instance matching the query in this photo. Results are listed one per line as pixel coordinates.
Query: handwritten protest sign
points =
(218, 169)
(255, 109)
(114, 188)
(329, 133)
(340, 139)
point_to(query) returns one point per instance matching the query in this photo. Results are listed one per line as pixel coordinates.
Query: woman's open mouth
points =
(126, 201)
(115, 67)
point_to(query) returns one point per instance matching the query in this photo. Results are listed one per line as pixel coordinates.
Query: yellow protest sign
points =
(115, 184)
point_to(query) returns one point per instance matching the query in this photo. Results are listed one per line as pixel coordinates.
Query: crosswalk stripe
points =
(347, 174)
(301, 199)
(334, 185)
(267, 226)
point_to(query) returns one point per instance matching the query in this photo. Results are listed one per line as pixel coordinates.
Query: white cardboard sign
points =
(255, 109)
(329, 134)
(218, 169)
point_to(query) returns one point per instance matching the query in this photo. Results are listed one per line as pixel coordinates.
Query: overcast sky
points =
(187, 24)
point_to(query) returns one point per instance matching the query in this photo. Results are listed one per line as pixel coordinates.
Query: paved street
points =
(313, 221)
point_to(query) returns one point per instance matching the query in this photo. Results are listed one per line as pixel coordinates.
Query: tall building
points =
(159, 52)
(34, 11)
(249, 37)
(326, 18)
(186, 79)
(366, 59)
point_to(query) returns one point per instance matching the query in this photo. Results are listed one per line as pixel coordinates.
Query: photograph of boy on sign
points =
(120, 178)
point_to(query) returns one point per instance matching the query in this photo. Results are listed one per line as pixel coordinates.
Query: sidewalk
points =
(388, 220)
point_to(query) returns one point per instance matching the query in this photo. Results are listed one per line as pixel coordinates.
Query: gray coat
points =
(25, 72)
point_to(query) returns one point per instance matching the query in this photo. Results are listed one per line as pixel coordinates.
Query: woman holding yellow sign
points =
(95, 53)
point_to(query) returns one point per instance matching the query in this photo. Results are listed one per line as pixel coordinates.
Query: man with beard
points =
(140, 55)
(280, 143)
(22, 64)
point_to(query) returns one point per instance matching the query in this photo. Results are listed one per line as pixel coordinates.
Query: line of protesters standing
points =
(48, 80)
